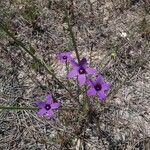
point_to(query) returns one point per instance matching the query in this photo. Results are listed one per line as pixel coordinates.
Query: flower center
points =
(82, 71)
(64, 57)
(98, 87)
(47, 106)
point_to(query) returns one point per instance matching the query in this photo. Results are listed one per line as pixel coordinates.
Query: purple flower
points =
(46, 107)
(65, 57)
(98, 87)
(81, 70)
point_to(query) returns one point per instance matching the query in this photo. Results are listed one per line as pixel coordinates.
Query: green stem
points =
(19, 43)
(17, 108)
(67, 69)
(86, 104)
(72, 35)
(74, 44)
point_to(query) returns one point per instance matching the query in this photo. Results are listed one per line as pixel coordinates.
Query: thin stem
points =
(67, 69)
(74, 45)
(19, 43)
(17, 108)
(72, 35)
(86, 102)
(78, 91)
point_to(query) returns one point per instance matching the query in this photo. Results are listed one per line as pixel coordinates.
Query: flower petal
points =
(72, 73)
(50, 113)
(59, 57)
(40, 104)
(74, 64)
(41, 112)
(83, 62)
(55, 105)
(69, 54)
(100, 79)
(91, 92)
(89, 82)
(105, 86)
(82, 79)
(101, 95)
(90, 70)
(49, 99)
(69, 58)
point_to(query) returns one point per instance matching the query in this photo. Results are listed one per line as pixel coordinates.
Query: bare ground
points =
(114, 36)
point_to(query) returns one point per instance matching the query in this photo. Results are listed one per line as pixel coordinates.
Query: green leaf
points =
(35, 65)
(32, 50)
(17, 108)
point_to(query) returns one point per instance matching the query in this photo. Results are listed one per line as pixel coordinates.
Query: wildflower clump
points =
(83, 72)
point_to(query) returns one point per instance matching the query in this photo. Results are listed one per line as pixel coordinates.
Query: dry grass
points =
(114, 36)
